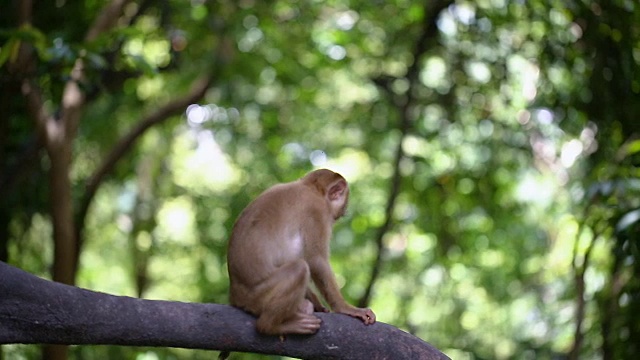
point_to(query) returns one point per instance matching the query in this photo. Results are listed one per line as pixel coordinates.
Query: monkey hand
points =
(364, 314)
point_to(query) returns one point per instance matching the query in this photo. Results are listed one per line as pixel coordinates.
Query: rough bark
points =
(37, 311)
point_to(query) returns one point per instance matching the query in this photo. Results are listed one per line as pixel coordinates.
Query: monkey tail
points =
(224, 355)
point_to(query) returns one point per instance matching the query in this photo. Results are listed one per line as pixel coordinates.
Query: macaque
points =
(279, 244)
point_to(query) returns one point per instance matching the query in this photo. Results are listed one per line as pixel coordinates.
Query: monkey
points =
(279, 245)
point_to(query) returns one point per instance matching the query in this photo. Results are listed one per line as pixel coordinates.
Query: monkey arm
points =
(317, 304)
(323, 277)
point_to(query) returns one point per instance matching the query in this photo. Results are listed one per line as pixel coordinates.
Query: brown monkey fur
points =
(279, 244)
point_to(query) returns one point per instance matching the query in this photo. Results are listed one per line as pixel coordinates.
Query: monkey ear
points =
(337, 190)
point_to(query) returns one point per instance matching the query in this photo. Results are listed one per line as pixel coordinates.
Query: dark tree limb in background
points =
(579, 268)
(224, 54)
(120, 149)
(428, 34)
(37, 311)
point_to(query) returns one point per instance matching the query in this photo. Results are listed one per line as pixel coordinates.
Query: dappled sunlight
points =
(176, 222)
(150, 87)
(479, 71)
(199, 164)
(570, 152)
(340, 20)
(553, 151)
(435, 74)
(344, 89)
(198, 115)
(536, 189)
(524, 76)
(318, 158)
(146, 49)
(175, 279)
(351, 163)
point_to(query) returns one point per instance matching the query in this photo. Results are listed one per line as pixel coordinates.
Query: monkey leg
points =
(285, 310)
(315, 301)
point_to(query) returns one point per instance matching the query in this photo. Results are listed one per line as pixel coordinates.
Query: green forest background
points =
(492, 149)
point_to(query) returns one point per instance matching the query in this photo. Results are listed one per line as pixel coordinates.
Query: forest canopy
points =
(491, 147)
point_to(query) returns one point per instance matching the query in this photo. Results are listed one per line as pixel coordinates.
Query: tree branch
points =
(36, 311)
(24, 67)
(428, 33)
(579, 271)
(107, 19)
(174, 107)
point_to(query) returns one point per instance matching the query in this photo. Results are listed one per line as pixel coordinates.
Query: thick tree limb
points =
(37, 311)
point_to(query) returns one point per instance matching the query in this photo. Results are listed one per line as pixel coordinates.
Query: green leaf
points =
(139, 63)
(26, 33)
(631, 148)
(9, 50)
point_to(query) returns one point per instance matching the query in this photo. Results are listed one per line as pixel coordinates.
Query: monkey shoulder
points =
(294, 196)
(291, 203)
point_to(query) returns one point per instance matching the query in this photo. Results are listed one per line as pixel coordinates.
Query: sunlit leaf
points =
(140, 63)
(9, 51)
(631, 148)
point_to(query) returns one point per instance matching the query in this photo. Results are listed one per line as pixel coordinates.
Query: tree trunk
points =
(63, 230)
(62, 215)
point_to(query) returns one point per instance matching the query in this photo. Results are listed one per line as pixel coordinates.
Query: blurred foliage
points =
(518, 210)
